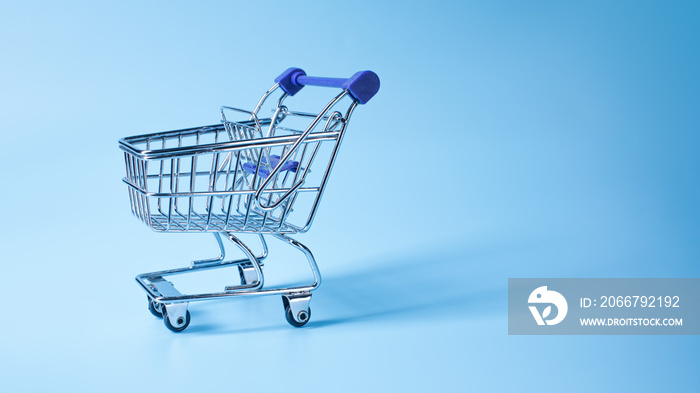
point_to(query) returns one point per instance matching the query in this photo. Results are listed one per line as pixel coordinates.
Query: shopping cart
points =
(256, 175)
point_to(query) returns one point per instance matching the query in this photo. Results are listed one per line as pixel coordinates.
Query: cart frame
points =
(263, 202)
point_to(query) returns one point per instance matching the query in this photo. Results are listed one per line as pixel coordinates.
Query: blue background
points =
(509, 139)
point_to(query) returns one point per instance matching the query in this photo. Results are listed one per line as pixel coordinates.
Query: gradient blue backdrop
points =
(509, 139)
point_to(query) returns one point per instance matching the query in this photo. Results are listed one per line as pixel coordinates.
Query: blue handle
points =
(362, 86)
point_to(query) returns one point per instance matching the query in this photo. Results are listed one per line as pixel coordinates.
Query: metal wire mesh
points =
(205, 179)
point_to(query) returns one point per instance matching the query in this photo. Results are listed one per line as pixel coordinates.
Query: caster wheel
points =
(155, 308)
(302, 318)
(184, 325)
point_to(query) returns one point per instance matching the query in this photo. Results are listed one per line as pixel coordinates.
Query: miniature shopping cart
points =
(257, 175)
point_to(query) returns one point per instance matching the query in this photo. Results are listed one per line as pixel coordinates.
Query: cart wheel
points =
(155, 308)
(166, 320)
(301, 319)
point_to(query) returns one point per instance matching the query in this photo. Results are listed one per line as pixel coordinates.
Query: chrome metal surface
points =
(247, 273)
(258, 176)
(260, 280)
(146, 280)
(195, 180)
(290, 153)
(163, 288)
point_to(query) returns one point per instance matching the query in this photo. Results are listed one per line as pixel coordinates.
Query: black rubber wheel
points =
(152, 308)
(306, 315)
(166, 320)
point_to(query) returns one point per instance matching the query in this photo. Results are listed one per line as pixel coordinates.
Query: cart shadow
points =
(424, 287)
(421, 288)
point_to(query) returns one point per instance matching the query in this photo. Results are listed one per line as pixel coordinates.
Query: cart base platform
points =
(166, 302)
